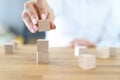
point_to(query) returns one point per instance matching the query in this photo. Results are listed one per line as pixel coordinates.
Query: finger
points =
(41, 3)
(45, 12)
(42, 8)
(27, 20)
(29, 7)
(78, 42)
(91, 45)
(70, 45)
(52, 25)
(51, 18)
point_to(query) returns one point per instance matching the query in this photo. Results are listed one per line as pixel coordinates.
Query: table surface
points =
(62, 66)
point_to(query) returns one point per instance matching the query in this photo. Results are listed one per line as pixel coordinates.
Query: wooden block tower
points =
(42, 51)
(42, 56)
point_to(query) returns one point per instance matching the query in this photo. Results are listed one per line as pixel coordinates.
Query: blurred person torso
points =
(83, 19)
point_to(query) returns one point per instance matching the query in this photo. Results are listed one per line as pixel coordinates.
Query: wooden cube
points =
(80, 50)
(9, 48)
(44, 25)
(87, 61)
(103, 53)
(42, 58)
(16, 42)
(42, 45)
(113, 51)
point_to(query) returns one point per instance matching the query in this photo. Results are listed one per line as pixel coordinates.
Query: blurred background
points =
(12, 26)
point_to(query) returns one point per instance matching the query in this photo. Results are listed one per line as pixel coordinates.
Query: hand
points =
(37, 10)
(81, 42)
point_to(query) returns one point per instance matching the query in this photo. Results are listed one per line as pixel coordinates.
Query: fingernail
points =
(34, 21)
(35, 27)
(52, 25)
(43, 16)
(32, 30)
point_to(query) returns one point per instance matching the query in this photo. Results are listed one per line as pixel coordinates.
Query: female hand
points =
(35, 10)
(81, 42)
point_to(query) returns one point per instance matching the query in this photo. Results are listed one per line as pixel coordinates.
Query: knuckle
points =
(33, 15)
(26, 5)
(24, 14)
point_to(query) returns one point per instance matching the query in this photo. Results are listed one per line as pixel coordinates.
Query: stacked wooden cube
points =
(42, 51)
(42, 55)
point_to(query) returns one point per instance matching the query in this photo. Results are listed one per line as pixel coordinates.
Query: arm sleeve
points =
(109, 36)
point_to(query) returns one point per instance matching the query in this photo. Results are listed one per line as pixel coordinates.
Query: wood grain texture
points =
(62, 66)
(42, 45)
(87, 61)
(16, 43)
(9, 48)
(113, 51)
(80, 50)
(103, 53)
(44, 25)
(42, 57)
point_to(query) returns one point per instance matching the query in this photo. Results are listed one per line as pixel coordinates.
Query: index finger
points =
(42, 6)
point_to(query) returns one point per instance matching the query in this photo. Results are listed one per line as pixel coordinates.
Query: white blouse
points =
(83, 19)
